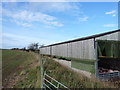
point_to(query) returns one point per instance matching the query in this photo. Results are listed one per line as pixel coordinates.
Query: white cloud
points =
(111, 12)
(85, 18)
(12, 40)
(64, 7)
(109, 25)
(25, 18)
(55, 23)
(21, 23)
(36, 12)
(114, 15)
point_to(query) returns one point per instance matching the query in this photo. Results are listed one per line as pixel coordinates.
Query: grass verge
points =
(70, 78)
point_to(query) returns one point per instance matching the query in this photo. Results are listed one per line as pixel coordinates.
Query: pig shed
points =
(98, 54)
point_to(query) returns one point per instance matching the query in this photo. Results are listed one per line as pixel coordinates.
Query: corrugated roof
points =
(85, 38)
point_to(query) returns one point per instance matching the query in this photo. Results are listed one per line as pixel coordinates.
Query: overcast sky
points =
(47, 23)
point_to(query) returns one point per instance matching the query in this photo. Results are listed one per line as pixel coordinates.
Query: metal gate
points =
(47, 81)
(50, 83)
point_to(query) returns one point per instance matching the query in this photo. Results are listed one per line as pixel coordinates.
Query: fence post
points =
(41, 62)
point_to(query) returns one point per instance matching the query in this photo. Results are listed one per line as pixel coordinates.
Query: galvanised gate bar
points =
(98, 54)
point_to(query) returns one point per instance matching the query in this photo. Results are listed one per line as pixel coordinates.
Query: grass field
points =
(70, 78)
(20, 69)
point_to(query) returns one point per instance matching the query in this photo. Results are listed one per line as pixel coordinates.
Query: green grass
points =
(21, 69)
(70, 78)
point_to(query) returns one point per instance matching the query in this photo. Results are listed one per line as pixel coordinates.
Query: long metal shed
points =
(86, 49)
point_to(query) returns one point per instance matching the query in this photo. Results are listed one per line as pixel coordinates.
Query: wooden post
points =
(41, 61)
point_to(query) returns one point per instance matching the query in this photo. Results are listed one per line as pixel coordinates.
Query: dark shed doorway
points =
(108, 58)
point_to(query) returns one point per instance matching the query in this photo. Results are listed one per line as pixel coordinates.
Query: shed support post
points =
(96, 63)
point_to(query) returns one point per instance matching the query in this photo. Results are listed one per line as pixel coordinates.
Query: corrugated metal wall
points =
(83, 49)
(45, 50)
(119, 36)
(113, 36)
(80, 49)
(60, 50)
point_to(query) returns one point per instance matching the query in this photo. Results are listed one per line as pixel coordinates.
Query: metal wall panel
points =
(112, 36)
(48, 50)
(69, 49)
(83, 49)
(119, 36)
(80, 49)
(42, 50)
(53, 50)
(74, 49)
(60, 50)
(45, 50)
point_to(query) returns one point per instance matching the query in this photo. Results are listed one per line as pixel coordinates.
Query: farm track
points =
(68, 64)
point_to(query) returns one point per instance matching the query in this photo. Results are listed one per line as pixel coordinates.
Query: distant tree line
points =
(31, 47)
